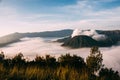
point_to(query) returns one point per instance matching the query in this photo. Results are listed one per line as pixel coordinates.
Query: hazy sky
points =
(44, 15)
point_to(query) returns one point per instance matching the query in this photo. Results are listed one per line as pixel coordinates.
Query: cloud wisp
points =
(82, 14)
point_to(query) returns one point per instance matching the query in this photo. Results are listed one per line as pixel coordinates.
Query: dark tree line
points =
(66, 67)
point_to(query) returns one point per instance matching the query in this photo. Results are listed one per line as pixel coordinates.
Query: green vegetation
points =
(66, 67)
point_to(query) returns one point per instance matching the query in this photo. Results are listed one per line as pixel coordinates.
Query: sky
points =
(49, 15)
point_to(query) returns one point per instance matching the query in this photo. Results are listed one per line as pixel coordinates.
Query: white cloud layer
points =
(31, 47)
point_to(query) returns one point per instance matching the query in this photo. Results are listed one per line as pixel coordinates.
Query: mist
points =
(91, 33)
(30, 47)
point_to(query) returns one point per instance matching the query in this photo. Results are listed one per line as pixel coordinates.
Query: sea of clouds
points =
(30, 47)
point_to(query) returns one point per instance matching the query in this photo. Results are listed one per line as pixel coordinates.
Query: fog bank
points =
(30, 47)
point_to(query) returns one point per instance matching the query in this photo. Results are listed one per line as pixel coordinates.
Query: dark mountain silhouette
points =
(107, 43)
(86, 41)
(113, 37)
(80, 41)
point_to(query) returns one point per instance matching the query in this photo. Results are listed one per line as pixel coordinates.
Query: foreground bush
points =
(66, 67)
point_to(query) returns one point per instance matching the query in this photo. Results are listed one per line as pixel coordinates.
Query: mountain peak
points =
(80, 41)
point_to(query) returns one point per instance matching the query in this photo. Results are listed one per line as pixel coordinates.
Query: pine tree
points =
(94, 60)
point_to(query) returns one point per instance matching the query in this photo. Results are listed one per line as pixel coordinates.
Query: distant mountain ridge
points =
(59, 33)
(11, 38)
(112, 34)
(113, 37)
(15, 37)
